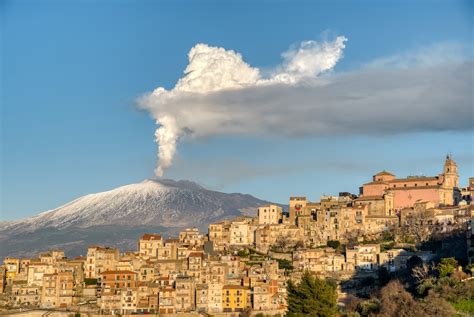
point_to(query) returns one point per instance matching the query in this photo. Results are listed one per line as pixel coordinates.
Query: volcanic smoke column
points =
(166, 136)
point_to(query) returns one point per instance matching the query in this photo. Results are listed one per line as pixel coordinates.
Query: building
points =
(297, 207)
(319, 261)
(185, 293)
(241, 233)
(100, 259)
(149, 244)
(191, 237)
(128, 300)
(390, 193)
(166, 300)
(234, 298)
(363, 257)
(12, 268)
(268, 235)
(270, 215)
(117, 279)
(219, 234)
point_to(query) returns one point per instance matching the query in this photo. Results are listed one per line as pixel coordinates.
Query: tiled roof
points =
(151, 236)
(384, 172)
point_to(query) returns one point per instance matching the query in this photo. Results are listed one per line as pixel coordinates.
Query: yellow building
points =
(234, 298)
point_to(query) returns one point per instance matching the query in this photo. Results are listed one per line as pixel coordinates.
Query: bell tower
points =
(450, 172)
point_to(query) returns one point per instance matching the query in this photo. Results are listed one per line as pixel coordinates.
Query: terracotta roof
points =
(414, 179)
(376, 182)
(118, 272)
(234, 287)
(380, 217)
(103, 249)
(384, 172)
(151, 236)
(195, 254)
(364, 198)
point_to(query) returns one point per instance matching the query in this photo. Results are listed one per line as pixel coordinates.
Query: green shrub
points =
(333, 244)
(447, 266)
(284, 264)
(465, 305)
(368, 307)
(90, 281)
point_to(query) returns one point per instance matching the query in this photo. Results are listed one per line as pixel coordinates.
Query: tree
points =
(333, 244)
(434, 305)
(446, 267)
(311, 297)
(397, 302)
(423, 279)
(353, 236)
(280, 243)
(416, 228)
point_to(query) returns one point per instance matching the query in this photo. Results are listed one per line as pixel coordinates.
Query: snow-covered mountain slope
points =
(149, 204)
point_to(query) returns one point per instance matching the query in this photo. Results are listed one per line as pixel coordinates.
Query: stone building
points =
(149, 244)
(270, 215)
(100, 259)
(219, 234)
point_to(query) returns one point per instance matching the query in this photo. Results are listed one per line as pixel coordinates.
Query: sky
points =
(74, 75)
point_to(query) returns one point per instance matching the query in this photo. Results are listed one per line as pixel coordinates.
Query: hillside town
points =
(241, 266)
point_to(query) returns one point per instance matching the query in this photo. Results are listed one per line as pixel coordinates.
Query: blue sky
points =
(72, 70)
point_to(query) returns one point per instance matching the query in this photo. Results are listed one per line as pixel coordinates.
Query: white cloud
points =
(221, 94)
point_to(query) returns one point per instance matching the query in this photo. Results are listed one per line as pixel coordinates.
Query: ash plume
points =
(220, 94)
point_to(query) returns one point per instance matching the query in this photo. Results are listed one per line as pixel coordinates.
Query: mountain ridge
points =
(163, 205)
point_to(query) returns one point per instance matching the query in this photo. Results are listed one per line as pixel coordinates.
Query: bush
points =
(243, 253)
(396, 301)
(284, 264)
(423, 288)
(465, 305)
(333, 244)
(387, 246)
(368, 307)
(446, 267)
(90, 281)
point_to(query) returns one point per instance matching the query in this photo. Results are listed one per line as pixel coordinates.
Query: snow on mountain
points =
(150, 204)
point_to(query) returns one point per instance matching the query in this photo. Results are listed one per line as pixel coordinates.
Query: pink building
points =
(405, 192)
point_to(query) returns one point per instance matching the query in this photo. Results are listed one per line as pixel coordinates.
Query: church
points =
(386, 193)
